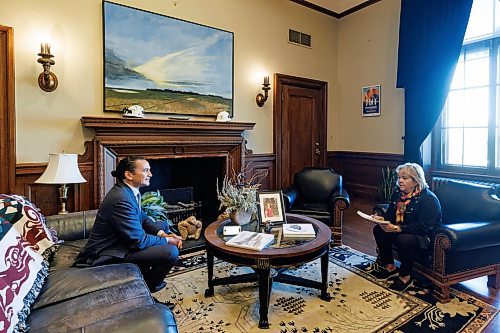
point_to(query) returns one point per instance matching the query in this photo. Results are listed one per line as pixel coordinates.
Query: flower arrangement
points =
(237, 195)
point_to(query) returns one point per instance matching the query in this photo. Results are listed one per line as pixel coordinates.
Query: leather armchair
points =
(466, 245)
(318, 193)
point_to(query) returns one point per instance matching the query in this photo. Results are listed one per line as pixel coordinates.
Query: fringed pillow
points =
(24, 241)
(26, 218)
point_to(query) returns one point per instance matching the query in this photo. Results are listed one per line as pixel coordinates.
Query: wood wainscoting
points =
(81, 196)
(362, 172)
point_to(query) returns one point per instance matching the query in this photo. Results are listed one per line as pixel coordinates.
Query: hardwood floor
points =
(357, 233)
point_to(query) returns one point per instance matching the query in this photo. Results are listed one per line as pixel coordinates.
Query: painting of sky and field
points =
(164, 64)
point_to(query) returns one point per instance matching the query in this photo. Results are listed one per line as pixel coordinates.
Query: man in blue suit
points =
(123, 233)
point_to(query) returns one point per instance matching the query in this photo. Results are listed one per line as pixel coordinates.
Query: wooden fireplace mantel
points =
(143, 126)
(161, 139)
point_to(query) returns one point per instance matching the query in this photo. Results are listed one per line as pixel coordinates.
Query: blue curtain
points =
(431, 34)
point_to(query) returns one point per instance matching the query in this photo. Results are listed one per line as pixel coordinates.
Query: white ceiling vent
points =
(299, 38)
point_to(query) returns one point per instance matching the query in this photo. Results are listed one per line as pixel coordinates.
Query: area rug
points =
(359, 302)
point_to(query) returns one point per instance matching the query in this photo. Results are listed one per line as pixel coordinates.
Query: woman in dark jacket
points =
(413, 213)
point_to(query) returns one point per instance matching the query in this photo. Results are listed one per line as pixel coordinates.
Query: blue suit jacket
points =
(120, 227)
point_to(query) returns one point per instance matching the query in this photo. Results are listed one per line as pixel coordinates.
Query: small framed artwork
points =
(370, 101)
(271, 207)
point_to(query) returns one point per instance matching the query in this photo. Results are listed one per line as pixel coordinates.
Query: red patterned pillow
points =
(26, 218)
(24, 240)
(22, 273)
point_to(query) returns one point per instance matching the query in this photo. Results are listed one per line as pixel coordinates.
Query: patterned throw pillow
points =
(26, 218)
(23, 240)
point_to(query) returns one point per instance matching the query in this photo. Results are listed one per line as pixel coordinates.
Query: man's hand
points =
(174, 240)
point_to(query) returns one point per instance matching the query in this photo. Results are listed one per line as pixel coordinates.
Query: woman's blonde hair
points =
(416, 172)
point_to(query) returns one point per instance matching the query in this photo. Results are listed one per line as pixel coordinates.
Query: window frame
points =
(490, 171)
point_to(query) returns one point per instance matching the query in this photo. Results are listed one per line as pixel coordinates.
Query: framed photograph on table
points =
(370, 101)
(271, 207)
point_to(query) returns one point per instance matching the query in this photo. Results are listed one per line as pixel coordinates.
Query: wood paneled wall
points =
(361, 174)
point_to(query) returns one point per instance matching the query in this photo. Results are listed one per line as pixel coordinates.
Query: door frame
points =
(281, 80)
(7, 112)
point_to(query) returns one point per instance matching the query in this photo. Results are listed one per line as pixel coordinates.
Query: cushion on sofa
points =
(69, 283)
(66, 254)
(90, 308)
(26, 218)
(24, 238)
(152, 318)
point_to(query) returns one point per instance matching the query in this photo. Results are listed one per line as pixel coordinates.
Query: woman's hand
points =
(389, 227)
(377, 217)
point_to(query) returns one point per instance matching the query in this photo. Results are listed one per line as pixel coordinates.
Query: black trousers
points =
(154, 262)
(406, 244)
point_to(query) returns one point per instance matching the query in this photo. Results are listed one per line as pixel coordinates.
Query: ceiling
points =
(336, 8)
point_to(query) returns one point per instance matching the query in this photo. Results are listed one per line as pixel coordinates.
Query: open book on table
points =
(371, 219)
(251, 240)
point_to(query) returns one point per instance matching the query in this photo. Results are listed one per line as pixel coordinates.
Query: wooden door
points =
(299, 126)
(7, 112)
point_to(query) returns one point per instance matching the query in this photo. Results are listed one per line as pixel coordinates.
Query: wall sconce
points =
(261, 99)
(46, 80)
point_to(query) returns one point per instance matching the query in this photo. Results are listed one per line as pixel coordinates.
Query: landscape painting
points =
(165, 65)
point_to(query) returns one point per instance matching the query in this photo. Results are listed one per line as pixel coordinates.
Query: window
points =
(469, 135)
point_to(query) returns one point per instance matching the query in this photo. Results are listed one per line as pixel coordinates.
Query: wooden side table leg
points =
(210, 274)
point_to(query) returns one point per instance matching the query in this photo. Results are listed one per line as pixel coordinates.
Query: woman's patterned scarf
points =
(404, 200)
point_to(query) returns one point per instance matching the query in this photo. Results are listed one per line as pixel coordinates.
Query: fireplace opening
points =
(189, 179)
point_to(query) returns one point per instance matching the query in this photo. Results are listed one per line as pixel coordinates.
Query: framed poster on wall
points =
(370, 101)
(164, 64)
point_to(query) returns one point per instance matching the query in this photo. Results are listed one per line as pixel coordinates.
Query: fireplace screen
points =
(180, 204)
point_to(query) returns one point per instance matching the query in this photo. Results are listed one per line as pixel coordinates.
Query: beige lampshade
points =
(62, 169)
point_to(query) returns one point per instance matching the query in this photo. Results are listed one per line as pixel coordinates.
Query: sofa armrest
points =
(289, 197)
(469, 235)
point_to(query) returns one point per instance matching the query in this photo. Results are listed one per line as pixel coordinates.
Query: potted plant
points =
(153, 205)
(387, 184)
(238, 198)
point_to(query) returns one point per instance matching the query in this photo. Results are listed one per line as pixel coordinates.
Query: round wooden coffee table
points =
(289, 253)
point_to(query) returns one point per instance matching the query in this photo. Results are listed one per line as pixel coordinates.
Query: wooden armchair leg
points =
(442, 293)
(494, 279)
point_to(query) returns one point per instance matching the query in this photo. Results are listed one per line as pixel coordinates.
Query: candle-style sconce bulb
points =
(46, 80)
(261, 99)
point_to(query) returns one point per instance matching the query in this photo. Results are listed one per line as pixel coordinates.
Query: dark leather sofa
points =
(318, 193)
(111, 298)
(467, 245)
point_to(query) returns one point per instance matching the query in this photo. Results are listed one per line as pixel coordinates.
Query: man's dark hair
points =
(126, 164)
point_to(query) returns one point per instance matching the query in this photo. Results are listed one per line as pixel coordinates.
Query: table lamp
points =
(62, 169)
